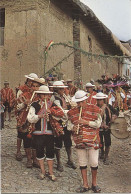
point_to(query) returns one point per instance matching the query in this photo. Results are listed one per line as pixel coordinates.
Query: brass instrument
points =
(68, 100)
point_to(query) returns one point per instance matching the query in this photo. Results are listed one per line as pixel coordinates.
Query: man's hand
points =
(82, 122)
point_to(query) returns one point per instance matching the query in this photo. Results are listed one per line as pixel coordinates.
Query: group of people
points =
(50, 114)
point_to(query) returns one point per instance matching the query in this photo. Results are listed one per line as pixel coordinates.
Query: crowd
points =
(51, 113)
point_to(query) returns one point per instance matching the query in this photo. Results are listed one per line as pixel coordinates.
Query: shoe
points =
(41, 176)
(19, 156)
(82, 189)
(29, 164)
(36, 165)
(60, 168)
(71, 165)
(51, 176)
(96, 189)
(106, 162)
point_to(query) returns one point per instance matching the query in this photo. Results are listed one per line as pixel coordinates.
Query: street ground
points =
(16, 178)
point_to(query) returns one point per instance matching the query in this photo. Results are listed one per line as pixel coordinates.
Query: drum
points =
(119, 128)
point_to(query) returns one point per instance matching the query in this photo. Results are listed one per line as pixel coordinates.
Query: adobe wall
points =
(95, 67)
(19, 54)
(30, 26)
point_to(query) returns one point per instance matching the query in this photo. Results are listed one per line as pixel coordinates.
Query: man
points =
(86, 120)
(89, 89)
(105, 132)
(19, 108)
(8, 99)
(71, 90)
(25, 99)
(43, 133)
(59, 100)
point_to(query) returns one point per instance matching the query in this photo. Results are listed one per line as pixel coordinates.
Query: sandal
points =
(41, 176)
(60, 168)
(19, 156)
(96, 189)
(51, 176)
(82, 189)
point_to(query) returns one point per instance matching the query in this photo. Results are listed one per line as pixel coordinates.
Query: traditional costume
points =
(60, 101)
(86, 120)
(43, 133)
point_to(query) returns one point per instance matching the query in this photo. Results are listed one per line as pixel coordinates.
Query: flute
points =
(79, 119)
(28, 106)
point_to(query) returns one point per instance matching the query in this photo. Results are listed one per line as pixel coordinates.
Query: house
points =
(28, 26)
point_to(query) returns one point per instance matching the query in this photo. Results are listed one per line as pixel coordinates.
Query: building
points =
(29, 25)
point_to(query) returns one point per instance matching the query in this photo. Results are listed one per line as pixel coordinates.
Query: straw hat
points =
(40, 80)
(43, 90)
(6, 82)
(58, 84)
(89, 85)
(100, 95)
(31, 76)
(79, 96)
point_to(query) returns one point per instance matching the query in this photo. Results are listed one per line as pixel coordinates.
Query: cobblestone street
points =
(15, 177)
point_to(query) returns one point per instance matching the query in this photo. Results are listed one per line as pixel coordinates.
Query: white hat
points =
(40, 80)
(58, 84)
(89, 85)
(79, 96)
(100, 95)
(31, 76)
(43, 90)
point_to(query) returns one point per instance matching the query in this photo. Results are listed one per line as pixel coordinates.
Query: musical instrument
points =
(68, 100)
(86, 136)
(120, 126)
(79, 119)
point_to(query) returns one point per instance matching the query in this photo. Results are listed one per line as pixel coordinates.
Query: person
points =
(20, 109)
(86, 120)
(8, 98)
(119, 98)
(71, 89)
(26, 99)
(105, 132)
(58, 99)
(1, 114)
(89, 89)
(43, 133)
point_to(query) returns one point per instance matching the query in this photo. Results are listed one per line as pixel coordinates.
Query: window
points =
(2, 25)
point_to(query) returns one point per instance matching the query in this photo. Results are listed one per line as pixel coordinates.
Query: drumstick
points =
(79, 119)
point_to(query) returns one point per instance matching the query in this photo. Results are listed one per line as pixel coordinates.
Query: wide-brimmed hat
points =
(58, 84)
(40, 80)
(69, 80)
(89, 85)
(79, 96)
(31, 76)
(100, 95)
(6, 82)
(43, 90)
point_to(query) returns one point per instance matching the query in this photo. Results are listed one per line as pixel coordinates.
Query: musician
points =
(90, 90)
(22, 89)
(86, 120)
(71, 89)
(43, 134)
(24, 101)
(105, 133)
(58, 100)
